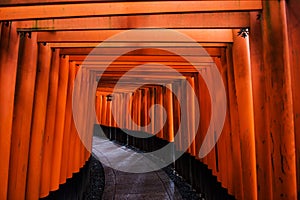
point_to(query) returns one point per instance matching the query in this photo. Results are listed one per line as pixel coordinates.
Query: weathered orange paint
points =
(236, 178)
(242, 77)
(183, 20)
(227, 130)
(199, 35)
(222, 146)
(59, 122)
(121, 8)
(293, 17)
(24, 95)
(67, 127)
(279, 94)
(9, 47)
(49, 125)
(260, 108)
(191, 115)
(38, 122)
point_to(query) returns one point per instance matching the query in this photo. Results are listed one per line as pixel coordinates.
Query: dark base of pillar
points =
(87, 184)
(194, 172)
(201, 178)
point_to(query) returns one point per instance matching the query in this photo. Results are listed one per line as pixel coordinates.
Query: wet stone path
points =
(122, 185)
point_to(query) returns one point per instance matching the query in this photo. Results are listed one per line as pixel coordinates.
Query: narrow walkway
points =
(121, 185)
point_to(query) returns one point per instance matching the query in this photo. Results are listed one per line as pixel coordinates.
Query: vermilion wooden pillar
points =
(237, 183)
(151, 115)
(293, 16)
(159, 118)
(133, 109)
(38, 122)
(49, 125)
(227, 128)
(199, 136)
(91, 120)
(176, 114)
(78, 147)
(139, 110)
(191, 114)
(120, 108)
(224, 154)
(88, 97)
(24, 95)
(67, 127)
(210, 158)
(109, 113)
(22, 116)
(164, 104)
(168, 131)
(130, 107)
(205, 117)
(143, 108)
(205, 111)
(114, 103)
(242, 76)
(127, 106)
(72, 152)
(59, 121)
(83, 113)
(184, 119)
(279, 95)
(260, 106)
(104, 108)
(9, 47)
(100, 108)
(97, 105)
(146, 106)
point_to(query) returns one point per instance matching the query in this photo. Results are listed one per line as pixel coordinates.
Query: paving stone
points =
(120, 185)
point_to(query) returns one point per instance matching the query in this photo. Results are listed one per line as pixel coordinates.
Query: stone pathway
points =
(122, 185)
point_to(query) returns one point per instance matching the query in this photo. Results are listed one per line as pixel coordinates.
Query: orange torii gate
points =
(43, 44)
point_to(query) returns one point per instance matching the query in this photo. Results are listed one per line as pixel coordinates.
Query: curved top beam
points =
(123, 8)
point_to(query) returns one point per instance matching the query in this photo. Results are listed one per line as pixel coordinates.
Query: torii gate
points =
(44, 43)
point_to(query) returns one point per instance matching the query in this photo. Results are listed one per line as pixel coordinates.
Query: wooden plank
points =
(82, 53)
(185, 20)
(138, 36)
(122, 8)
(46, 2)
(84, 48)
(168, 60)
(147, 65)
(80, 49)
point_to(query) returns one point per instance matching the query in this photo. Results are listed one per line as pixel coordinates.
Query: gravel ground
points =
(186, 191)
(96, 181)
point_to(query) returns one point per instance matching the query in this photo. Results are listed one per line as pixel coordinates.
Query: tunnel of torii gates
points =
(44, 44)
